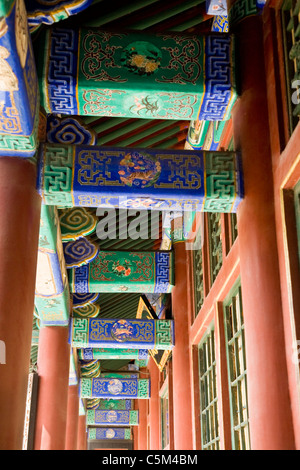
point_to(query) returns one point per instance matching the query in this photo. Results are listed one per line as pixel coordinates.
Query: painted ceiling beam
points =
(124, 271)
(118, 333)
(52, 294)
(19, 96)
(106, 387)
(134, 74)
(97, 433)
(112, 417)
(111, 353)
(51, 12)
(91, 176)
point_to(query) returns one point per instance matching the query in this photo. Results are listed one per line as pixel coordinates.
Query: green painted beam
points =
(112, 417)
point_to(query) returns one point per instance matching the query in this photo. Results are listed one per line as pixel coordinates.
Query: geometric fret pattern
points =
(106, 387)
(109, 433)
(19, 96)
(134, 74)
(116, 333)
(112, 417)
(68, 177)
(90, 176)
(124, 272)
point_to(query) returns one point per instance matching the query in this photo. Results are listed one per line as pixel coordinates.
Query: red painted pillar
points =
(135, 430)
(53, 370)
(181, 363)
(154, 412)
(82, 434)
(142, 428)
(268, 395)
(19, 231)
(72, 418)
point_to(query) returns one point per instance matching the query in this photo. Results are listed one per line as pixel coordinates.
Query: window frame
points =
(211, 402)
(165, 432)
(239, 367)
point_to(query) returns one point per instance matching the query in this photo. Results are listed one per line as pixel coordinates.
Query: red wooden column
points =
(53, 370)
(154, 411)
(142, 427)
(72, 418)
(181, 355)
(135, 429)
(19, 231)
(82, 434)
(268, 394)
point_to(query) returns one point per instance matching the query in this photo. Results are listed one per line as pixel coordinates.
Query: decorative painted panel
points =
(53, 311)
(260, 4)
(136, 75)
(76, 222)
(111, 404)
(115, 417)
(140, 363)
(223, 182)
(112, 353)
(6, 6)
(204, 135)
(176, 227)
(220, 24)
(109, 433)
(52, 11)
(116, 375)
(160, 303)
(118, 333)
(241, 9)
(90, 310)
(52, 294)
(90, 176)
(92, 403)
(121, 271)
(19, 95)
(90, 369)
(79, 252)
(159, 355)
(145, 309)
(49, 281)
(216, 7)
(106, 387)
(69, 131)
(83, 300)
